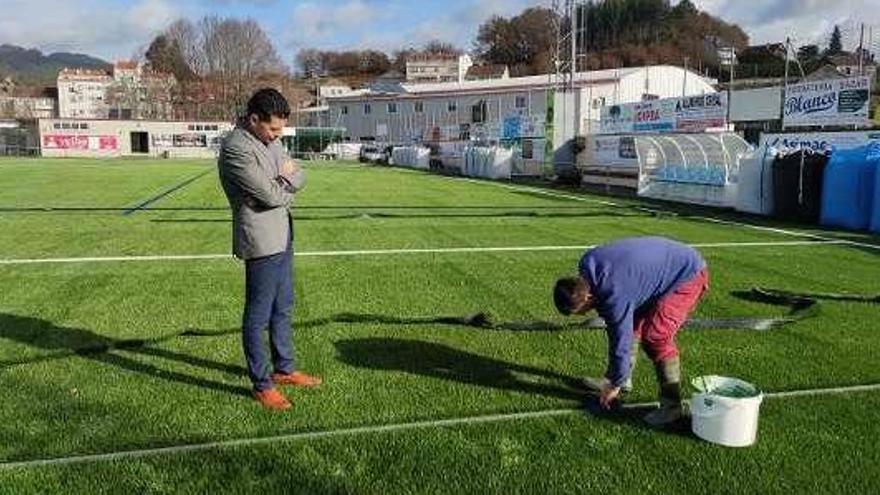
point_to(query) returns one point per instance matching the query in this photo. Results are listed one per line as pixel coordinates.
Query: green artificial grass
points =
(107, 357)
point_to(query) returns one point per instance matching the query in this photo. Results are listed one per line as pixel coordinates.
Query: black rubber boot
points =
(669, 378)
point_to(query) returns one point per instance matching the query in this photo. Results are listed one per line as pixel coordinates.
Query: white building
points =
(113, 138)
(333, 90)
(432, 68)
(81, 93)
(424, 110)
(128, 91)
(516, 112)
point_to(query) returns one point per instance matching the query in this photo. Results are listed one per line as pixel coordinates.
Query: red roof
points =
(126, 65)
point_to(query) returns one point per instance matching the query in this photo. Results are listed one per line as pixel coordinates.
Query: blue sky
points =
(116, 29)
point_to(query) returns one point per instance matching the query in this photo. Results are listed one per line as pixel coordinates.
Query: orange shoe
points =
(272, 399)
(297, 379)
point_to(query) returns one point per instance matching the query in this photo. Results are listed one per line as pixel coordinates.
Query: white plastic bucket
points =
(728, 421)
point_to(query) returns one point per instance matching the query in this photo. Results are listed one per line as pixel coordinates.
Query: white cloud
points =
(460, 27)
(383, 26)
(90, 26)
(314, 23)
(805, 21)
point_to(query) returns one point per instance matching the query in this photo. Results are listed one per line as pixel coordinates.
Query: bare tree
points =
(437, 47)
(186, 36)
(235, 53)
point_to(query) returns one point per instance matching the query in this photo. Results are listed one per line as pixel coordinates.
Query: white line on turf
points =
(554, 194)
(573, 197)
(471, 420)
(379, 252)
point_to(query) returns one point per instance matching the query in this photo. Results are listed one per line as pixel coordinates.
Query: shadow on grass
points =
(389, 216)
(62, 342)
(441, 361)
(479, 320)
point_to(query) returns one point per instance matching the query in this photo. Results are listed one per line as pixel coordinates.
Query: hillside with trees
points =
(611, 34)
(32, 67)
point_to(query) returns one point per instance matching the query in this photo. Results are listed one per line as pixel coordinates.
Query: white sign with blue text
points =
(831, 102)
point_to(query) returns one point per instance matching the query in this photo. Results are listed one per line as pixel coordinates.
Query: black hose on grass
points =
(802, 305)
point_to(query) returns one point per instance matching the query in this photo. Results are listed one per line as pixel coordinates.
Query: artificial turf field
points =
(119, 336)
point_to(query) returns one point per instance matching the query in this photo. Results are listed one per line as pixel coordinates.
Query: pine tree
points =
(835, 45)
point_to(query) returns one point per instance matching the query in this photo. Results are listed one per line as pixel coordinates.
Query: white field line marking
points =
(790, 232)
(554, 194)
(540, 191)
(775, 230)
(379, 252)
(471, 420)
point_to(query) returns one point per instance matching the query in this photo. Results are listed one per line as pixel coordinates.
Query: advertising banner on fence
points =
(819, 141)
(614, 151)
(686, 114)
(830, 102)
(80, 142)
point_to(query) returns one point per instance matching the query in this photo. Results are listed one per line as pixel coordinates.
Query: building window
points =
(392, 107)
(367, 109)
(478, 112)
(65, 125)
(418, 107)
(56, 125)
(83, 125)
(345, 110)
(451, 107)
(521, 102)
(191, 127)
(528, 149)
(598, 102)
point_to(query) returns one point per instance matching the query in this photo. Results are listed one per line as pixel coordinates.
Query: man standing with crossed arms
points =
(259, 182)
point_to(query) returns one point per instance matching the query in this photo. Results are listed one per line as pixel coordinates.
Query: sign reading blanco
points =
(830, 102)
(686, 114)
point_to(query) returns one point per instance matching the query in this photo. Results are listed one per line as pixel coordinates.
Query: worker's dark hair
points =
(566, 293)
(266, 103)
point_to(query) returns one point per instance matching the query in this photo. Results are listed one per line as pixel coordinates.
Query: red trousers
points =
(656, 327)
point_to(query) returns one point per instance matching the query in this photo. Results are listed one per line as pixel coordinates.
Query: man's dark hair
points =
(564, 294)
(266, 103)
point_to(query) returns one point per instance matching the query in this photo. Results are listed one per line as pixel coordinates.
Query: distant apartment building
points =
(434, 68)
(128, 91)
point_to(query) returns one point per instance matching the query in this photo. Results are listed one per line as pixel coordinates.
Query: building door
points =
(140, 142)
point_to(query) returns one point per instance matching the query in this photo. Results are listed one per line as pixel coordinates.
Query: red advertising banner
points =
(65, 142)
(107, 143)
(79, 142)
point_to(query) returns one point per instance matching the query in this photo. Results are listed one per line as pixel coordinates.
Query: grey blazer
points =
(261, 222)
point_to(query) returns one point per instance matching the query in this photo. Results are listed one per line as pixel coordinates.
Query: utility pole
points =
(685, 79)
(862, 50)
